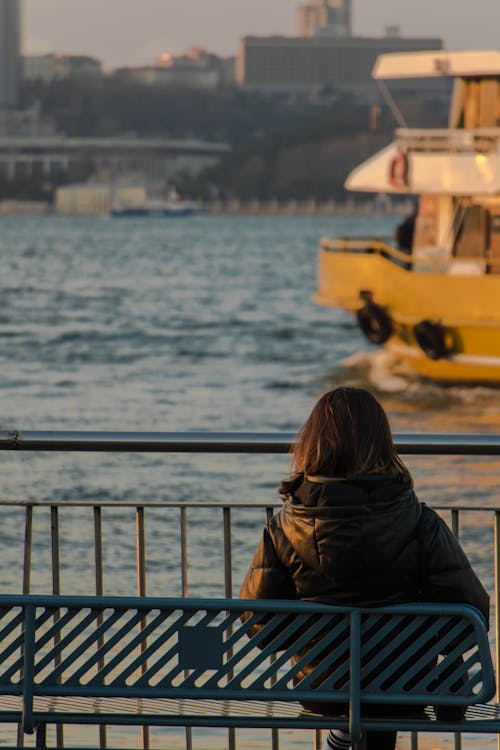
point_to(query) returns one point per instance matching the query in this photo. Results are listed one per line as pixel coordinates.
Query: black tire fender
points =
(375, 323)
(430, 338)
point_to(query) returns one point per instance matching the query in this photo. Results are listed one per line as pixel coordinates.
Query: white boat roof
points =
(437, 173)
(436, 64)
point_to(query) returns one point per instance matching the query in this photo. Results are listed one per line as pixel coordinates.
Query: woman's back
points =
(351, 529)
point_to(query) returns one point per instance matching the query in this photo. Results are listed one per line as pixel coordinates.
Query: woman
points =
(352, 531)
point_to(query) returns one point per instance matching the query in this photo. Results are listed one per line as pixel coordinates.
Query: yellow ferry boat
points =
(432, 299)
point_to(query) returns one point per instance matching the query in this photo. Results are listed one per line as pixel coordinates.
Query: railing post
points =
(141, 590)
(140, 551)
(28, 535)
(228, 554)
(275, 737)
(497, 600)
(54, 535)
(318, 744)
(228, 590)
(99, 575)
(99, 590)
(184, 557)
(56, 589)
(185, 591)
(455, 527)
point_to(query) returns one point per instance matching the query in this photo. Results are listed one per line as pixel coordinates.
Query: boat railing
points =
(483, 141)
(171, 547)
(420, 259)
(364, 246)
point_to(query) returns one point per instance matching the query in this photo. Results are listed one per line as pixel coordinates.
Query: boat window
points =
(425, 234)
(471, 232)
(481, 103)
(489, 98)
(455, 118)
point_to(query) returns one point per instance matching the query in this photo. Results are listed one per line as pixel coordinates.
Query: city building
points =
(331, 17)
(97, 198)
(326, 58)
(10, 55)
(56, 66)
(196, 68)
(312, 66)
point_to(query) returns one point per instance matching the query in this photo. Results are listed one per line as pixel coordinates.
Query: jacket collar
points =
(331, 491)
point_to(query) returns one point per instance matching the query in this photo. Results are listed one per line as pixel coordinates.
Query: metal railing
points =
(178, 525)
(364, 247)
(451, 444)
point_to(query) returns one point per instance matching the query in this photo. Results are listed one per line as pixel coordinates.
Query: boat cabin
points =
(455, 172)
(462, 237)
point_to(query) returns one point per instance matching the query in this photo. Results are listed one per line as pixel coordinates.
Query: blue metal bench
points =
(194, 662)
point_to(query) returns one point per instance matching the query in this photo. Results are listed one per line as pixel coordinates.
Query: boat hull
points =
(466, 307)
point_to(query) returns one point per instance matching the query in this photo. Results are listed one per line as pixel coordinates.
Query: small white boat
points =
(173, 206)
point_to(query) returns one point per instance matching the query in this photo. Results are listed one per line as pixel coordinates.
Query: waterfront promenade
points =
(190, 547)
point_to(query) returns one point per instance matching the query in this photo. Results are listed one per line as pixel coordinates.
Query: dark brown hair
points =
(347, 435)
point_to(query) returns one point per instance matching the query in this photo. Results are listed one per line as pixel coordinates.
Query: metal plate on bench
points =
(200, 647)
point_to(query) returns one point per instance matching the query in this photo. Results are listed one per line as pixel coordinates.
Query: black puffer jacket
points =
(356, 542)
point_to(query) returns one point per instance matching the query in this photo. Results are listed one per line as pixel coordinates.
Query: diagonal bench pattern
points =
(225, 662)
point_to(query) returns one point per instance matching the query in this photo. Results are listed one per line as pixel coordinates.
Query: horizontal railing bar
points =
(237, 504)
(147, 442)
(229, 442)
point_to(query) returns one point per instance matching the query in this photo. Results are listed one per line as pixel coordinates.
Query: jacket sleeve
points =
(267, 577)
(448, 574)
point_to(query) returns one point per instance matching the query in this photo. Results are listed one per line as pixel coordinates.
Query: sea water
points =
(189, 324)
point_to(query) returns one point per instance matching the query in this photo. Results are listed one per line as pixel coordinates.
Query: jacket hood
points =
(345, 528)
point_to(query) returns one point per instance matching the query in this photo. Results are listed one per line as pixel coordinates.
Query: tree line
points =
(281, 147)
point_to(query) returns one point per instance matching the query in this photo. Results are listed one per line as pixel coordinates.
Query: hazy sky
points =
(131, 32)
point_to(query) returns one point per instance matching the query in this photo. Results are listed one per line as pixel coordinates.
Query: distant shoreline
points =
(309, 208)
(241, 208)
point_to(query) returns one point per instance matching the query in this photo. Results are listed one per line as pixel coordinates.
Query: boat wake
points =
(450, 407)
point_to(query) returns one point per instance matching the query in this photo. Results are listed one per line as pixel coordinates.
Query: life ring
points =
(375, 323)
(430, 338)
(398, 170)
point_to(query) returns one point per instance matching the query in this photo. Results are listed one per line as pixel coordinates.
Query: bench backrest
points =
(414, 654)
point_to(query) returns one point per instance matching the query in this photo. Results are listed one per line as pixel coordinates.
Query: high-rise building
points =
(326, 58)
(329, 17)
(322, 65)
(10, 55)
